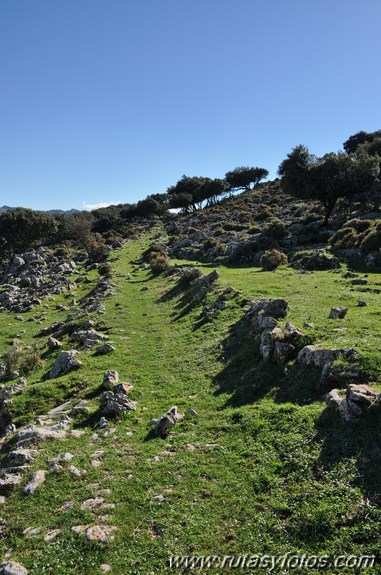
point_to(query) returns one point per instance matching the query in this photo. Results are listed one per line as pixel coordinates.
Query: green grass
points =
(270, 471)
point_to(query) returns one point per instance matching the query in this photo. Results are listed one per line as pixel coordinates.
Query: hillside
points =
(258, 464)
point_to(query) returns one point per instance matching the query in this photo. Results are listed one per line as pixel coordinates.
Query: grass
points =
(262, 469)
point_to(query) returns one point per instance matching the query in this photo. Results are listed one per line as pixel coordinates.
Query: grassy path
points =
(255, 475)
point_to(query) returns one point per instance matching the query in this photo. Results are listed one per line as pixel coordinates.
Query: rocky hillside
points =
(240, 229)
(153, 408)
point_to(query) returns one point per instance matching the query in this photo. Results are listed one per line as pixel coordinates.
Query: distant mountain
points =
(54, 212)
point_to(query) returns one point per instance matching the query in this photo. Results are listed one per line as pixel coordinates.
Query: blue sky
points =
(107, 101)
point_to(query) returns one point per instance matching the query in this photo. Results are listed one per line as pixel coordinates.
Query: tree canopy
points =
(21, 229)
(326, 179)
(245, 178)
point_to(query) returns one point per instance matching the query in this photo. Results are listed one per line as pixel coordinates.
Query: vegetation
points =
(257, 464)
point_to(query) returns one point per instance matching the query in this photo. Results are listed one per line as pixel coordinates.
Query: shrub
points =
(11, 360)
(358, 225)
(153, 251)
(264, 213)
(272, 259)
(31, 360)
(345, 238)
(159, 264)
(372, 240)
(105, 269)
(276, 229)
(314, 261)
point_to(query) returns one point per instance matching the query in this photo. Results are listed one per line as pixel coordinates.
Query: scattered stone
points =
(77, 432)
(92, 503)
(116, 401)
(80, 409)
(359, 281)
(338, 312)
(166, 422)
(102, 424)
(67, 506)
(105, 568)
(31, 532)
(64, 363)
(159, 497)
(12, 568)
(104, 349)
(110, 378)
(361, 303)
(37, 479)
(100, 533)
(53, 344)
(52, 534)
(74, 471)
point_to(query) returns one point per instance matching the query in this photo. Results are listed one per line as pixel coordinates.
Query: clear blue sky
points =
(112, 100)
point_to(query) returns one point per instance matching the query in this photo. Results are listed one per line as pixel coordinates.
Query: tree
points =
(351, 145)
(326, 179)
(21, 229)
(190, 192)
(245, 178)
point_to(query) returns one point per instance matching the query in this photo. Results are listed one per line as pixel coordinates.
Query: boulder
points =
(110, 377)
(283, 351)
(166, 422)
(274, 308)
(37, 479)
(314, 356)
(53, 344)
(12, 568)
(363, 395)
(116, 401)
(104, 349)
(65, 362)
(32, 434)
(338, 312)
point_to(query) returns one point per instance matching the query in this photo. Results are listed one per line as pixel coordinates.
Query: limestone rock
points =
(167, 421)
(110, 377)
(116, 401)
(53, 343)
(104, 349)
(37, 479)
(338, 312)
(363, 395)
(314, 356)
(12, 568)
(274, 308)
(65, 362)
(32, 434)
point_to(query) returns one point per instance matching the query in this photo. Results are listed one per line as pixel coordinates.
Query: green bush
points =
(372, 240)
(272, 259)
(105, 269)
(345, 238)
(358, 225)
(159, 264)
(276, 229)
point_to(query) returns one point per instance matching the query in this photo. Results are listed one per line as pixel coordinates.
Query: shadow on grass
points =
(186, 298)
(247, 378)
(359, 440)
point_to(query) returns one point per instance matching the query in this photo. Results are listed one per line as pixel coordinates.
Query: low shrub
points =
(272, 259)
(159, 264)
